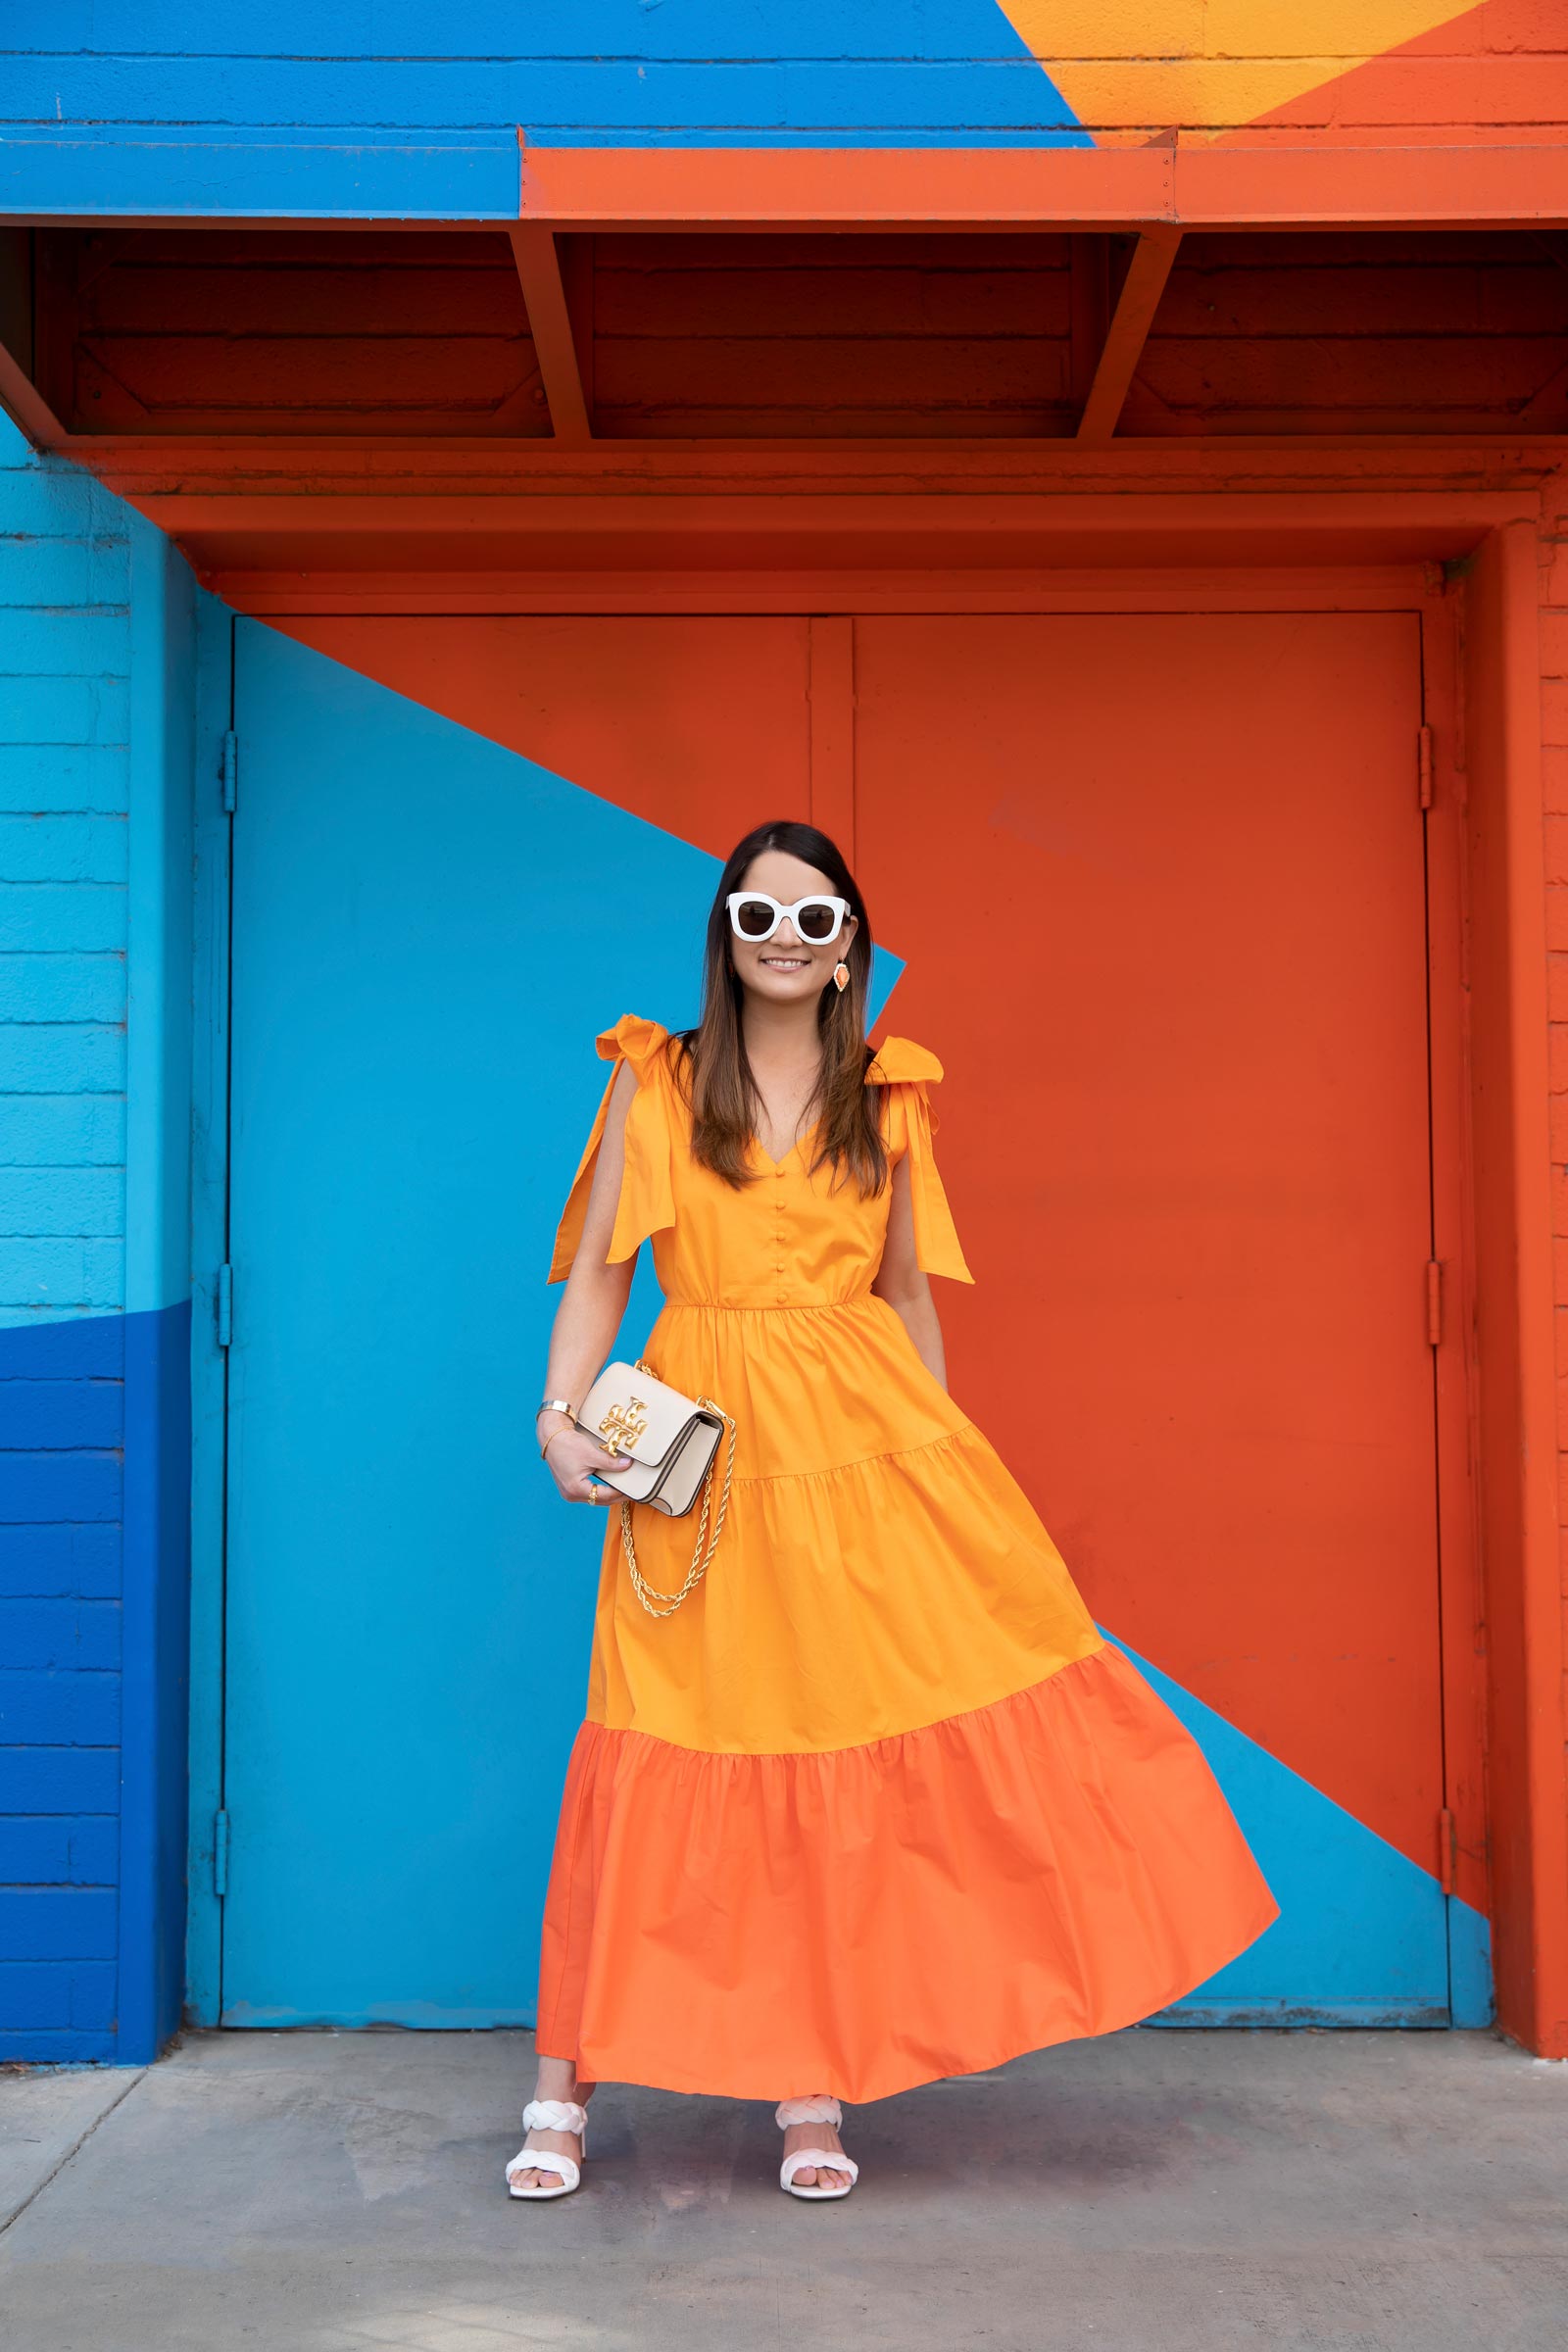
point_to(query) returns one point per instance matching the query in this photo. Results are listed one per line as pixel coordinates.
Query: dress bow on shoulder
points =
(635, 1039)
(647, 1201)
(906, 1071)
(899, 1060)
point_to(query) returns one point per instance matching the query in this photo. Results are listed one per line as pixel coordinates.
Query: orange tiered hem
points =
(1060, 1863)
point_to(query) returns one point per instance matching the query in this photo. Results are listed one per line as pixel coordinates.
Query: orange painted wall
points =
(1553, 576)
(1320, 72)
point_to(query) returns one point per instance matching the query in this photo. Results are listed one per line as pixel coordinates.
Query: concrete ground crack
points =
(78, 2142)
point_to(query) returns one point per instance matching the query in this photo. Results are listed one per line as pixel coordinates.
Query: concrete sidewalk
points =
(1156, 2191)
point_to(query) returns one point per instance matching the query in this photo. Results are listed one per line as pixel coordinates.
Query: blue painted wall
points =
(96, 638)
(342, 109)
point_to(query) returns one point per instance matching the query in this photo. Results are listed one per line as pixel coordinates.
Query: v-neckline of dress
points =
(800, 1141)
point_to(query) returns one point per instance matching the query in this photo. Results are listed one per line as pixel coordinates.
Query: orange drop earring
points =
(841, 976)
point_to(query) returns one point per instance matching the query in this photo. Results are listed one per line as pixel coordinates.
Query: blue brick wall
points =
(94, 782)
(65, 776)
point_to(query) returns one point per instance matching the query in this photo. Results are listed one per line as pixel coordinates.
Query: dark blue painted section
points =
(62, 1394)
(80, 1348)
(94, 1602)
(345, 109)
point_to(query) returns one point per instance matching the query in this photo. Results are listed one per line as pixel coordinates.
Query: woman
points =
(876, 1803)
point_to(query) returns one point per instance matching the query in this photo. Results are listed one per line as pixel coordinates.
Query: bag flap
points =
(630, 1412)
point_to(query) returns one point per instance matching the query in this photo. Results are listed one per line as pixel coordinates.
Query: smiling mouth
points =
(786, 963)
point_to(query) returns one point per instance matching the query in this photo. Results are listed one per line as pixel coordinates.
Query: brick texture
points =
(64, 661)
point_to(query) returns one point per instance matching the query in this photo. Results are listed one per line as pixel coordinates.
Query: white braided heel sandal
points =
(805, 2160)
(549, 2115)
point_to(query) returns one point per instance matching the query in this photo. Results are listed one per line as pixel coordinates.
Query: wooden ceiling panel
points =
(669, 336)
(254, 332)
(1335, 333)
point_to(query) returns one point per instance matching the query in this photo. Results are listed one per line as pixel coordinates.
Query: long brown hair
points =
(724, 1098)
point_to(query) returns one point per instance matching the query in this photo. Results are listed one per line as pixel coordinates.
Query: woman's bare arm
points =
(589, 1315)
(901, 1283)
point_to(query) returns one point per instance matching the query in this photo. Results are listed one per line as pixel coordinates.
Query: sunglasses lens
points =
(753, 918)
(818, 920)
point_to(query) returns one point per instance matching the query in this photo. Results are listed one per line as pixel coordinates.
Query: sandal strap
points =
(820, 2110)
(542, 2160)
(554, 2115)
(821, 2160)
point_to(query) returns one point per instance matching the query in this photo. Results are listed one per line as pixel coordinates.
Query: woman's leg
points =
(557, 2079)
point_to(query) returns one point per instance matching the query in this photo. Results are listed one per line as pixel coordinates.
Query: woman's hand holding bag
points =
(674, 1442)
(573, 1457)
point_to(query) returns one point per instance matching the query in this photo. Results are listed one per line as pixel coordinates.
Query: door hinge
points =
(1423, 765)
(231, 773)
(1447, 1848)
(1433, 1301)
(225, 1305)
(220, 1854)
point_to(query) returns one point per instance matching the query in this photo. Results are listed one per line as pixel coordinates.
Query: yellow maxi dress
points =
(878, 1803)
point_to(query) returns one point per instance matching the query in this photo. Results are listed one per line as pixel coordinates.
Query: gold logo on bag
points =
(625, 1424)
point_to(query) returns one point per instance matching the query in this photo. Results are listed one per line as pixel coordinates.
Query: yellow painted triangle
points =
(1207, 65)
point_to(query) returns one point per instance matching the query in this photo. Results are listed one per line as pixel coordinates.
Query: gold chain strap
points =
(646, 1592)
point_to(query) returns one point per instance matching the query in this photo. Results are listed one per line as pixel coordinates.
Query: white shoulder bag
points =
(674, 1442)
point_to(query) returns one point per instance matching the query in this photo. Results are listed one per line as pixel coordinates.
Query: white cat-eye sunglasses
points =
(755, 915)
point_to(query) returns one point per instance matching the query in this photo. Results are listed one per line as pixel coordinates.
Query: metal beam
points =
(1134, 315)
(25, 405)
(543, 294)
(921, 189)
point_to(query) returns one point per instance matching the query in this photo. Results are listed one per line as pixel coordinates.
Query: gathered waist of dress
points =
(770, 1306)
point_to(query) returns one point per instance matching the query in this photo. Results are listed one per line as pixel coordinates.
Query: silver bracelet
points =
(552, 1404)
